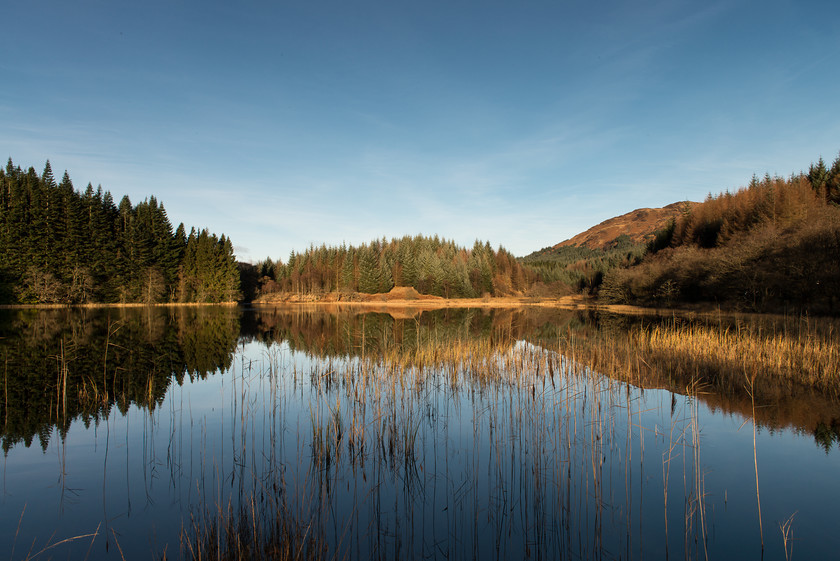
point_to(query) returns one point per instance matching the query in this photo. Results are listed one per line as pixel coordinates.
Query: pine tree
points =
(63, 246)
(408, 261)
(348, 271)
(832, 184)
(368, 271)
(35, 221)
(385, 277)
(818, 176)
(231, 282)
(47, 177)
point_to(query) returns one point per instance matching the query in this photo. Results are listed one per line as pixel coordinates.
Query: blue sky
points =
(523, 123)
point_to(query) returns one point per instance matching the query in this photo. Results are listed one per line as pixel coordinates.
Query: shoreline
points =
(385, 303)
(388, 303)
(112, 305)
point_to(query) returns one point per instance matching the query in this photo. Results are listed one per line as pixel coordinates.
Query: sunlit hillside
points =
(772, 245)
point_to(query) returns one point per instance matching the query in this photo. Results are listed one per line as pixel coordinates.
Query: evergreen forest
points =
(580, 268)
(428, 264)
(63, 246)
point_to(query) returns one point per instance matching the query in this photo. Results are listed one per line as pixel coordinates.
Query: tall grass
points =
(459, 449)
(678, 354)
(804, 357)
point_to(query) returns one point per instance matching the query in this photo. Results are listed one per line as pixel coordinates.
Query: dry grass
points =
(679, 354)
(378, 303)
(385, 414)
(252, 534)
(94, 306)
(805, 358)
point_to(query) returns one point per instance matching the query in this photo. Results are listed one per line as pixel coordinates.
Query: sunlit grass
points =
(805, 357)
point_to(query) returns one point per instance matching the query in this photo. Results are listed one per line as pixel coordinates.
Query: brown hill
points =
(639, 225)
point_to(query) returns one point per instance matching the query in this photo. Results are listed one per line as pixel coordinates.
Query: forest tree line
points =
(60, 245)
(429, 264)
(768, 246)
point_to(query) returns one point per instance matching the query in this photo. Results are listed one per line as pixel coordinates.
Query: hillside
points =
(580, 263)
(638, 225)
(770, 246)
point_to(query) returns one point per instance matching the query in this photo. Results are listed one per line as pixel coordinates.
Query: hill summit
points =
(639, 226)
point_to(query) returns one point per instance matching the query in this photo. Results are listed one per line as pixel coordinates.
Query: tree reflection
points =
(63, 365)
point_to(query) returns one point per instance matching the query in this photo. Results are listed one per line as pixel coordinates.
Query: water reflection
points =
(455, 433)
(63, 365)
(603, 341)
(60, 365)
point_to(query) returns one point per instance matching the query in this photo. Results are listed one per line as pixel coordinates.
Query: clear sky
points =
(285, 124)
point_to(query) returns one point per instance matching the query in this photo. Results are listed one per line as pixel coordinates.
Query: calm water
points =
(454, 434)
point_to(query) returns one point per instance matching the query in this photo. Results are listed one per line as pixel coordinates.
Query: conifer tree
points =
(47, 177)
(59, 245)
(385, 277)
(832, 184)
(368, 271)
(818, 176)
(348, 271)
(408, 260)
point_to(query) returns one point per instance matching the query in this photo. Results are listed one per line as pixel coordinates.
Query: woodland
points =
(769, 246)
(773, 245)
(431, 265)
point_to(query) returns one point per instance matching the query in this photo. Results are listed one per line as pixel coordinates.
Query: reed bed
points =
(460, 450)
(253, 531)
(684, 356)
(805, 357)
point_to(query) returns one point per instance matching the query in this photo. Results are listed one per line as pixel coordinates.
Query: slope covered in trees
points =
(58, 245)
(581, 262)
(773, 245)
(429, 264)
(581, 268)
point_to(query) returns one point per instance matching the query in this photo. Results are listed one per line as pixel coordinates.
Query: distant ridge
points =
(638, 225)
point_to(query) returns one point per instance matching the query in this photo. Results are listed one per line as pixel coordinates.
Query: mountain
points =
(638, 225)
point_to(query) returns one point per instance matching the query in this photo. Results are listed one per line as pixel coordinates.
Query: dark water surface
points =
(450, 434)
